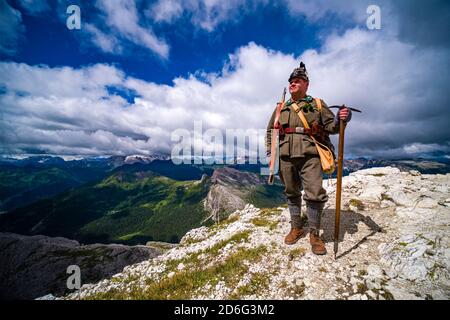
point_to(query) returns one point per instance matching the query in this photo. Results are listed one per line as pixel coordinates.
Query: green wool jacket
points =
(297, 145)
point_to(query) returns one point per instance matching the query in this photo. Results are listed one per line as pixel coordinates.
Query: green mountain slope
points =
(129, 206)
(266, 196)
(20, 186)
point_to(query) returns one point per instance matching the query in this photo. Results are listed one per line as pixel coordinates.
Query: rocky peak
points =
(235, 178)
(393, 245)
(229, 190)
(145, 158)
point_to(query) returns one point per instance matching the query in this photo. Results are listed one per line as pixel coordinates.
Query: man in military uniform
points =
(300, 166)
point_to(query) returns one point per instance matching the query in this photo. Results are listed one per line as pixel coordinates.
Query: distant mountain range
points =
(135, 203)
(425, 166)
(431, 166)
(135, 199)
(129, 205)
(88, 162)
(23, 181)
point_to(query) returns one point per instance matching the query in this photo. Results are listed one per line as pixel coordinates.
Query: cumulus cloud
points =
(72, 111)
(399, 87)
(398, 81)
(64, 110)
(401, 90)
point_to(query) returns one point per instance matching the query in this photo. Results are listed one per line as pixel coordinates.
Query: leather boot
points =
(294, 235)
(317, 244)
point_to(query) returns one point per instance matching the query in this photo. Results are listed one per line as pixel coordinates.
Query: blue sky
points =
(192, 48)
(138, 70)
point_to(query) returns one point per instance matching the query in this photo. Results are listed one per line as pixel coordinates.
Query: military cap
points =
(299, 72)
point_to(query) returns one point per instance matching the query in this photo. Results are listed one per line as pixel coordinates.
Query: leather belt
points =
(294, 130)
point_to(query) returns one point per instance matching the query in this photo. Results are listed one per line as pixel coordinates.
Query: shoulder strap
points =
(300, 112)
(301, 115)
(319, 104)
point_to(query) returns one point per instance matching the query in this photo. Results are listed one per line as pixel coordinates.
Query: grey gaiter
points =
(314, 212)
(295, 207)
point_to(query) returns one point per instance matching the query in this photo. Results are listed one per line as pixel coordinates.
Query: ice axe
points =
(337, 220)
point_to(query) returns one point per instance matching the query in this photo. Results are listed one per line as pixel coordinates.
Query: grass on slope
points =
(126, 207)
(267, 196)
(20, 186)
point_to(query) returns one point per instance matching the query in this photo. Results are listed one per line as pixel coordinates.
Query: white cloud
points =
(122, 15)
(43, 81)
(209, 14)
(401, 90)
(315, 10)
(165, 11)
(107, 43)
(204, 14)
(420, 148)
(63, 109)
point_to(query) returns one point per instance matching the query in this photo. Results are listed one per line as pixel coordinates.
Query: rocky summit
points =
(393, 245)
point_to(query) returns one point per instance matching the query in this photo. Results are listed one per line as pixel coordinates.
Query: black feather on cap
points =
(299, 72)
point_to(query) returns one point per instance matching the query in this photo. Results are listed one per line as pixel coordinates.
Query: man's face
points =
(298, 86)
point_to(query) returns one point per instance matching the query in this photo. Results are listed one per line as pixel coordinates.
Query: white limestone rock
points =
(427, 203)
(381, 171)
(399, 197)
(195, 235)
(410, 259)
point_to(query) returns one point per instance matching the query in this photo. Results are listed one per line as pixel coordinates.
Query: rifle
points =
(275, 141)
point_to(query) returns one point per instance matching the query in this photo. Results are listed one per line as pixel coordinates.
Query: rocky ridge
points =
(393, 245)
(228, 191)
(32, 266)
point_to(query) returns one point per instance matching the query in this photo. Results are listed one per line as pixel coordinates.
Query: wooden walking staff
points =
(337, 220)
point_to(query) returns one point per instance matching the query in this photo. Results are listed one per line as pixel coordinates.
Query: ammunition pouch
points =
(317, 131)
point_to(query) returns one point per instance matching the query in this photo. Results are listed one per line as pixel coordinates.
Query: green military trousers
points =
(303, 174)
